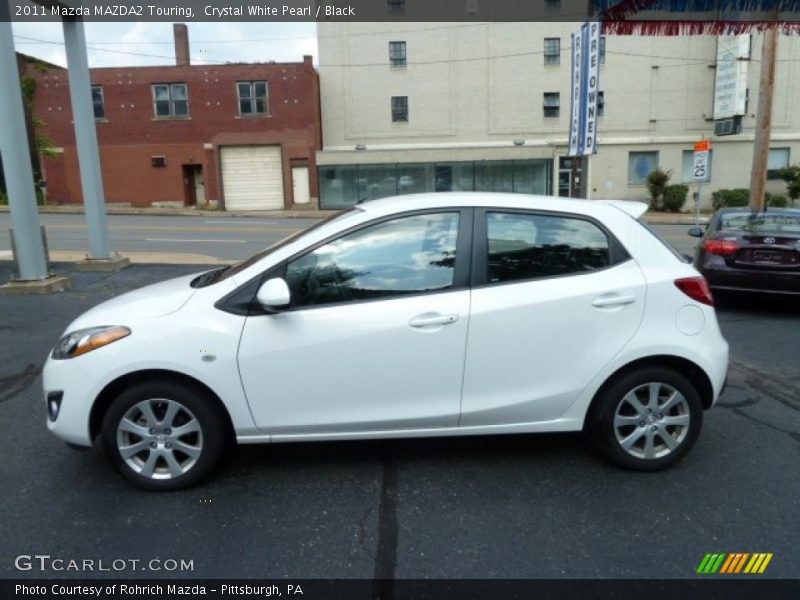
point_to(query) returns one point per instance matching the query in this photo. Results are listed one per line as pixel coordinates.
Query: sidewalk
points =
(655, 218)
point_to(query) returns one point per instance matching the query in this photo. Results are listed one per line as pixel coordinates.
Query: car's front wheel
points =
(647, 419)
(163, 435)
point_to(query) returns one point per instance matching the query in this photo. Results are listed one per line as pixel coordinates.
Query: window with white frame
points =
(552, 51)
(171, 100)
(397, 54)
(640, 165)
(399, 109)
(253, 97)
(778, 159)
(552, 104)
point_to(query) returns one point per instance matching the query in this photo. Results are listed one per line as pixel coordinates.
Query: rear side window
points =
(527, 246)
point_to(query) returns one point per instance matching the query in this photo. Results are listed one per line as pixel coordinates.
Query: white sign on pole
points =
(700, 166)
(585, 90)
(730, 77)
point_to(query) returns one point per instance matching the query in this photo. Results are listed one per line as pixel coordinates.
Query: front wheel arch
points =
(113, 389)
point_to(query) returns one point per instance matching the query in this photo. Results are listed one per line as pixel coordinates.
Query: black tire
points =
(188, 408)
(671, 439)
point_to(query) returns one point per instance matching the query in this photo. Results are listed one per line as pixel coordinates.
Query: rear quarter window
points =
(529, 246)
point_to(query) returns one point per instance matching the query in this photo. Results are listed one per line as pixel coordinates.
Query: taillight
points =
(696, 288)
(721, 246)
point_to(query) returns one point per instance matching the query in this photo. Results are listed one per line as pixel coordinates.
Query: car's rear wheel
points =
(163, 435)
(647, 419)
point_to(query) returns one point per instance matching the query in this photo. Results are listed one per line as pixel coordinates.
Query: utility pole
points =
(766, 91)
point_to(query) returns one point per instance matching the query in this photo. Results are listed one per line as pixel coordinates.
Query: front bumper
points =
(74, 380)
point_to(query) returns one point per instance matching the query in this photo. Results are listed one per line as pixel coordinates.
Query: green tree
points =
(656, 184)
(791, 175)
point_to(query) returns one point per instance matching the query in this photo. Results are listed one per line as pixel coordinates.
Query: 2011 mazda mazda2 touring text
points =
(423, 315)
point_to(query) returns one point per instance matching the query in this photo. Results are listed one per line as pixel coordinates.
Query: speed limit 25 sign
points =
(700, 165)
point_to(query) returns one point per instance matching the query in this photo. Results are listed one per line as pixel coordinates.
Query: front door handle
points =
(613, 300)
(432, 320)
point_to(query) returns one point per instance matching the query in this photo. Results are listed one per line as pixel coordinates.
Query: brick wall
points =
(130, 134)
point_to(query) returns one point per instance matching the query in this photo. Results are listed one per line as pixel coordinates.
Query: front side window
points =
(397, 54)
(171, 100)
(552, 51)
(98, 102)
(253, 97)
(526, 246)
(399, 109)
(408, 255)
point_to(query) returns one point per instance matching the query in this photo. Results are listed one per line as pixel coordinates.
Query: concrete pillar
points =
(80, 88)
(29, 246)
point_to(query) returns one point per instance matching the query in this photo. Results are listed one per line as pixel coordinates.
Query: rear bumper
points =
(767, 282)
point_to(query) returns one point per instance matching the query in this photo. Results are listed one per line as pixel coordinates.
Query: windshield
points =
(771, 222)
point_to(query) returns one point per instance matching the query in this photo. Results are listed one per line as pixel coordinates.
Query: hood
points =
(151, 301)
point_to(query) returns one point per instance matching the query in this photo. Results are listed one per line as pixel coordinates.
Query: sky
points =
(124, 44)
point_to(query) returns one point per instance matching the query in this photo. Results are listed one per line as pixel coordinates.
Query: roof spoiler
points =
(633, 208)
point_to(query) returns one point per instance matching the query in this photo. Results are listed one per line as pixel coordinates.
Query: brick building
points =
(242, 136)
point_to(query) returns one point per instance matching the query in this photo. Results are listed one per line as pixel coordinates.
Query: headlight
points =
(85, 340)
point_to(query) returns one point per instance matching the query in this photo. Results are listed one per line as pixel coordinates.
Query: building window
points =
(399, 109)
(640, 165)
(602, 49)
(396, 6)
(253, 97)
(601, 103)
(397, 54)
(171, 100)
(687, 166)
(98, 102)
(552, 104)
(552, 51)
(778, 159)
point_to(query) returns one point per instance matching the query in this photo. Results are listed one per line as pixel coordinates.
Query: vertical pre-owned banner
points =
(575, 115)
(585, 89)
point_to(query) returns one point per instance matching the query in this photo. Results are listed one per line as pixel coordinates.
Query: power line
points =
(692, 61)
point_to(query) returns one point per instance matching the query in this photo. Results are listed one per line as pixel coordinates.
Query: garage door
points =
(252, 177)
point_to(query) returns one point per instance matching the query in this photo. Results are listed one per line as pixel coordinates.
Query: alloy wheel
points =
(652, 420)
(159, 438)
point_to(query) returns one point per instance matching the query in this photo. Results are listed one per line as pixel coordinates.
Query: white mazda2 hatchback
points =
(424, 315)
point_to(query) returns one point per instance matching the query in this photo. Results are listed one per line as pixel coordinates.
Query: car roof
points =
(499, 200)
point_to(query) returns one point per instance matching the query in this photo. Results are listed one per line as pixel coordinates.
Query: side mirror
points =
(274, 294)
(696, 232)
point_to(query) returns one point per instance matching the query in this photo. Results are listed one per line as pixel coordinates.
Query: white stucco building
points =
(439, 106)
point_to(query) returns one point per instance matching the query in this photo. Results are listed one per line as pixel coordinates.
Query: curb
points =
(653, 218)
(188, 212)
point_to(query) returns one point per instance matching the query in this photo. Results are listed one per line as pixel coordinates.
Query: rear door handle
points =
(431, 320)
(613, 300)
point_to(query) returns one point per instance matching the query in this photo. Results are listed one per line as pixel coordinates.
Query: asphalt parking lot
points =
(501, 507)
